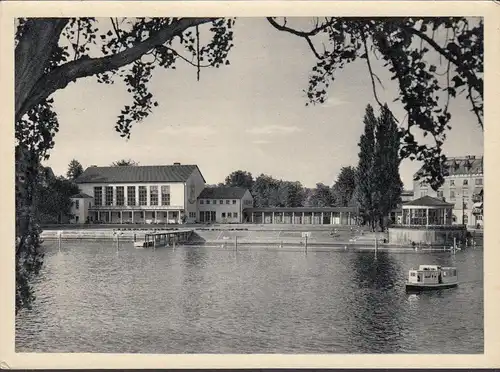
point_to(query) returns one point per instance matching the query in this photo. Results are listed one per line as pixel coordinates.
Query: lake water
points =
(91, 298)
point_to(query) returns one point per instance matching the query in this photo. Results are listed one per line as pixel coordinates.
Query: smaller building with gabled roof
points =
(223, 204)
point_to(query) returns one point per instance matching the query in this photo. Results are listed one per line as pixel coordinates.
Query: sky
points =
(250, 115)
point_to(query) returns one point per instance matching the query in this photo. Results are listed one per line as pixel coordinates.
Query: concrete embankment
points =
(243, 237)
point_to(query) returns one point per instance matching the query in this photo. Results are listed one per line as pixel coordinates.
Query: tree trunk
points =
(32, 56)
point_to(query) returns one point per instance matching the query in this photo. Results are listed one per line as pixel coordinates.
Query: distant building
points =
(80, 207)
(141, 194)
(303, 215)
(223, 204)
(463, 187)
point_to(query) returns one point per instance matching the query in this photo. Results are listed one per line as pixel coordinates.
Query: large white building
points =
(139, 194)
(463, 187)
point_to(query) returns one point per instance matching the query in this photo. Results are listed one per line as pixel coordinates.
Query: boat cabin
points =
(432, 274)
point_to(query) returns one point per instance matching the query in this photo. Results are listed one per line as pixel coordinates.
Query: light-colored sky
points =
(250, 115)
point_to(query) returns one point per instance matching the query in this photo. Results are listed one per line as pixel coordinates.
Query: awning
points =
(478, 205)
(477, 211)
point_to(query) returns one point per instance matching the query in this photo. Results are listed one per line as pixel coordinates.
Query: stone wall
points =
(432, 236)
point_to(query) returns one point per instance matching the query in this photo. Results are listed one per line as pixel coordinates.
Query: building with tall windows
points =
(141, 194)
(463, 187)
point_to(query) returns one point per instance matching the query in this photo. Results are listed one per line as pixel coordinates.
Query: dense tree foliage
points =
(124, 163)
(378, 182)
(321, 196)
(366, 176)
(240, 178)
(53, 200)
(344, 187)
(75, 169)
(388, 181)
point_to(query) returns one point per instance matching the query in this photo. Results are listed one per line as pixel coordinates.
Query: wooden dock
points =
(164, 238)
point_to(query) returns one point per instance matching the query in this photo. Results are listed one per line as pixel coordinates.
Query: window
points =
(165, 195)
(465, 192)
(440, 193)
(130, 195)
(479, 181)
(423, 192)
(228, 214)
(223, 214)
(109, 195)
(153, 195)
(143, 195)
(77, 204)
(452, 182)
(98, 195)
(227, 201)
(221, 201)
(120, 195)
(201, 201)
(235, 215)
(234, 201)
(214, 201)
(452, 194)
(90, 205)
(466, 182)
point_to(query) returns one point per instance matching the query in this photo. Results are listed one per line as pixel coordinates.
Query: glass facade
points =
(143, 195)
(120, 195)
(131, 195)
(165, 195)
(98, 195)
(153, 195)
(109, 195)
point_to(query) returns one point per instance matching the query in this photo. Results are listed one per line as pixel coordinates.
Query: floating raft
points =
(163, 238)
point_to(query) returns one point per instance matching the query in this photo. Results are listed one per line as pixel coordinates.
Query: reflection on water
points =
(91, 298)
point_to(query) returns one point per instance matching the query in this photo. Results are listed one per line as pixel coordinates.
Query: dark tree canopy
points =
(379, 185)
(75, 169)
(124, 163)
(240, 178)
(344, 187)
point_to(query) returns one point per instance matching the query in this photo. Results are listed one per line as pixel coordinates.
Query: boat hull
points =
(413, 287)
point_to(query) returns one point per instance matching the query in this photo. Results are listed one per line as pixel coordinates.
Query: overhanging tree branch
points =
(61, 76)
(302, 34)
(472, 79)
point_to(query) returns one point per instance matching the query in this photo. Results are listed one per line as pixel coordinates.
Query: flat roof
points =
(302, 209)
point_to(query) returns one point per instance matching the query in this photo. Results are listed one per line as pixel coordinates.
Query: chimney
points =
(176, 163)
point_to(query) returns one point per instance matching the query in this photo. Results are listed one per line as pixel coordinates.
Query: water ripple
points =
(91, 298)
